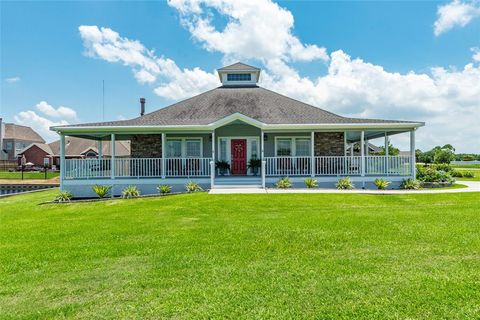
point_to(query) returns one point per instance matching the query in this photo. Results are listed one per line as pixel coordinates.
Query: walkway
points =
(472, 186)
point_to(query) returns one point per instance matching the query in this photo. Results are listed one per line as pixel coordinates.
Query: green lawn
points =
(27, 175)
(475, 178)
(466, 166)
(242, 256)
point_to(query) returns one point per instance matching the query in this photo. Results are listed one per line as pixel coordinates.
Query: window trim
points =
(294, 145)
(183, 143)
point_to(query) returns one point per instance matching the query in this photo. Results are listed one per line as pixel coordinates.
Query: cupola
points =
(239, 74)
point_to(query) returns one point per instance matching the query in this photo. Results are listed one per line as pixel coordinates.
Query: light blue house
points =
(235, 123)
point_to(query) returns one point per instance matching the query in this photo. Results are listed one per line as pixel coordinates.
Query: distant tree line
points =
(443, 154)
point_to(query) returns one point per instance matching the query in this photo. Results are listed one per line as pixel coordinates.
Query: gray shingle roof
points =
(239, 66)
(255, 102)
(18, 132)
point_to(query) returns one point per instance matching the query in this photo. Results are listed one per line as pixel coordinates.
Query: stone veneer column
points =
(329, 144)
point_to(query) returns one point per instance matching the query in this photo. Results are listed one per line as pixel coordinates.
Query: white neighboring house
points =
(235, 123)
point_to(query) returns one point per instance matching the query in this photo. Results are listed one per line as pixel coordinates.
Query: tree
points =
(444, 156)
(392, 151)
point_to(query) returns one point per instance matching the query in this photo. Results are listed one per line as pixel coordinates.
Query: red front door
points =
(239, 156)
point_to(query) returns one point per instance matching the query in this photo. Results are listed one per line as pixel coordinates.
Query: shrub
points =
(101, 191)
(344, 184)
(410, 184)
(443, 167)
(457, 173)
(193, 187)
(164, 189)
(381, 184)
(283, 183)
(64, 196)
(468, 174)
(311, 183)
(130, 192)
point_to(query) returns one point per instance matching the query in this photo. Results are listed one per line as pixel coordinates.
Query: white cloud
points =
(476, 54)
(12, 80)
(248, 34)
(60, 112)
(38, 123)
(171, 81)
(456, 13)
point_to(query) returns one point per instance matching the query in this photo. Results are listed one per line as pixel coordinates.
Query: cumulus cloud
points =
(60, 112)
(248, 33)
(476, 54)
(12, 79)
(456, 13)
(46, 117)
(171, 82)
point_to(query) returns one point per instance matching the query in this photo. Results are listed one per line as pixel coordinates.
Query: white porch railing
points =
(136, 168)
(187, 167)
(338, 166)
(287, 166)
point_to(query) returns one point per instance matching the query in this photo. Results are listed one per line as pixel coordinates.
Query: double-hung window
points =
(184, 148)
(298, 147)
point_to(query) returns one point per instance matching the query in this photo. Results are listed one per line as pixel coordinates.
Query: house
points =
(14, 138)
(75, 148)
(235, 123)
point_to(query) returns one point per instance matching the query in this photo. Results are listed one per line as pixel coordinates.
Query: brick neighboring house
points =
(14, 138)
(75, 148)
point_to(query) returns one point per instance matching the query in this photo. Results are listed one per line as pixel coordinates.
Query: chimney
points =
(142, 106)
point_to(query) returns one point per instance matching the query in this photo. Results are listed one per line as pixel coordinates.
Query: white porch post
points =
(62, 160)
(112, 159)
(345, 152)
(362, 152)
(413, 170)
(212, 163)
(312, 154)
(262, 148)
(163, 155)
(99, 147)
(387, 164)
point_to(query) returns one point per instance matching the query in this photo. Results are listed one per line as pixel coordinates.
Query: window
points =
(299, 147)
(223, 149)
(254, 149)
(302, 147)
(284, 147)
(239, 77)
(174, 148)
(9, 146)
(193, 148)
(184, 148)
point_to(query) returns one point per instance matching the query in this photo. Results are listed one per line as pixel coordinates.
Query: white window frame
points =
(294, 144)
(184, 146)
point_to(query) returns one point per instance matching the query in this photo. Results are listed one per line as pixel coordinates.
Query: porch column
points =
(163, 155)
(312, 154)
(387, 164)
(362, 152)
(62, 160)
(99, 147)
(345, 152)
(212, 163)
(112, 159)
(263, 168)
(413, 169)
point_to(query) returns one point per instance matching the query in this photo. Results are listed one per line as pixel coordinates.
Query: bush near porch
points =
(242, 256)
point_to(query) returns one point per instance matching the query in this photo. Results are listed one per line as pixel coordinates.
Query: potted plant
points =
(223, 166)
(254, 164)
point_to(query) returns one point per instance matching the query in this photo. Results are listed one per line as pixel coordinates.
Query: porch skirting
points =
(82, 188)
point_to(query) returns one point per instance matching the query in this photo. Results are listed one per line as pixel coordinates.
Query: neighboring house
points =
(14, 138)
(75, 148)
(235, 122)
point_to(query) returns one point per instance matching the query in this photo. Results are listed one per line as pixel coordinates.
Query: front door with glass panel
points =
(239, 156)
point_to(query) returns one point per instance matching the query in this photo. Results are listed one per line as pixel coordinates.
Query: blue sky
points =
(358, 48)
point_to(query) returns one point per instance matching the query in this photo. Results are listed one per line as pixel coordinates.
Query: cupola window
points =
(239, 77)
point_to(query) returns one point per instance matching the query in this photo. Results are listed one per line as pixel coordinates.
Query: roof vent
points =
(142, 106)
(239, 74)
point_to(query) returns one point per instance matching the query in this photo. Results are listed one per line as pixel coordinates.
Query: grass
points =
(276, 256)
(466, 166)
(17, 175)
(475, 178)
(453, 186)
